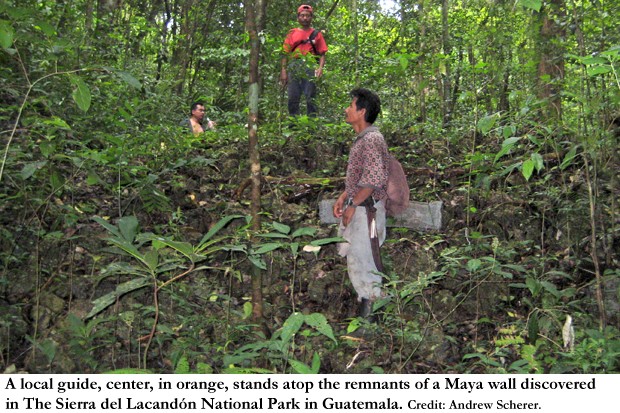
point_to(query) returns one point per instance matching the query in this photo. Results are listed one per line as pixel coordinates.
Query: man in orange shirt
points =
(304, 47)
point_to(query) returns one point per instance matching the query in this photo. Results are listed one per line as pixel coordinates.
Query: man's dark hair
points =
(195, 105)
(366, 99)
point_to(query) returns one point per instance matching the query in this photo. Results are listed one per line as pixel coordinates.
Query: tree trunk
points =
(504, 102)
(421, 81)
(551, 64)
(356, 43)
(254, 12)
(161, 54)
(447, 51)
(182, 53)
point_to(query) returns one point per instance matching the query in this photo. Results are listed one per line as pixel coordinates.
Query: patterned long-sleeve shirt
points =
(368, 164)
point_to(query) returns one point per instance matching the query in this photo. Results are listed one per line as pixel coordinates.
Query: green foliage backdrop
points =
(508, 112)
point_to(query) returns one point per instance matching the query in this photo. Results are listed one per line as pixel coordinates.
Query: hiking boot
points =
(365, 311)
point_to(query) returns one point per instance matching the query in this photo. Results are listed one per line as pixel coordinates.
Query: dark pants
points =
(301, 81)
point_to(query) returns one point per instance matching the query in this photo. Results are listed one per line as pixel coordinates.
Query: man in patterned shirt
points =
(364, 195)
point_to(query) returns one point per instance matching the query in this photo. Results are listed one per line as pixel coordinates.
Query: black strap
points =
(310, 40)
(371, 214)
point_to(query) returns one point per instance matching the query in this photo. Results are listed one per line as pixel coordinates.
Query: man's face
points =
(352, 114)
(199, 113)
(305, 19)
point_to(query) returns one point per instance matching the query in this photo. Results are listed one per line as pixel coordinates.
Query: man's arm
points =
(287, 49)
(283, 74)
(319, 72)
(337, 208)
(360, 197)
(347, 213)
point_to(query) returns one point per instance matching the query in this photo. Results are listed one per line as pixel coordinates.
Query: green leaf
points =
(527, 169)
(473, 264)
(107, 300)
(593, 60)
(93, 178)
(533, 285)
(128, 227)
(534, 139)
(203, 368)
(111, 228)
(184, 248)
(325, 241)
(151, 259)
(353, 325)
(539, 162)
(47, 148)
(531, 4)
(48, 347)
(46, 28)
(299, 367)
(247, 309)
(483, 358)
(233, 248)
(319, 322)
(271, 246)
(162, 328)
(508, 131)
(487, 123)
(81, 93)
(30, 168)
(507, 146)
(182, 366)
(7, 34)
(128, 78)
(284, 229)
(295, 248)
(129, 248)
(316, 363)
(515, 267)
(56, 122)
(551, 288)
(304, 231)
(599, 70)
(215, 228)
(273, 235)
(258, 261)
(291, 326)
(404, 62)
(568, 158)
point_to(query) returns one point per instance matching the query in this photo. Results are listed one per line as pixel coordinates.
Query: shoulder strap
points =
(313, 35)
(310, 40)
(315, 32)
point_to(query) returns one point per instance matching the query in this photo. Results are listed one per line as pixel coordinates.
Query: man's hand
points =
(348, 212)
(347, 216)
(342, 211)
(319, 72)
(283, 77)
(337, 209)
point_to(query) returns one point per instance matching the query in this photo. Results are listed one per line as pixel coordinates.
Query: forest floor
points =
(456, 299)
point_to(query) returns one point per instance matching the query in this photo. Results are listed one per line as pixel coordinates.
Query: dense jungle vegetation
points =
(128, 243)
